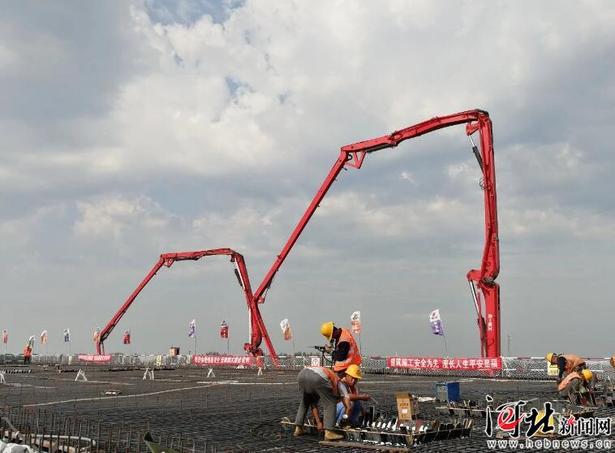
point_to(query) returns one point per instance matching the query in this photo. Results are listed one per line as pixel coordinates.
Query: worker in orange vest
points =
(613, 361)
(344, 350)
(321, 384)
(566, 363)
(576, 386)
(27, 354)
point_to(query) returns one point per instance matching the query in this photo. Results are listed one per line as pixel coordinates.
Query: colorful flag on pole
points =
(96, 335)
(66, 335)
(126, 338)
(223, 329)
(355, 322)
(44, 337)
(5, 336)
(436, 323)
(31, 341)
(192, 328)
(286, 330)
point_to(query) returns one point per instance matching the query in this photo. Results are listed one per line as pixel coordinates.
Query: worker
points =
(566, 363)
(576, 386)
(320, 384)
(344, 350)
(27, 354)
(349, 409)
(612, 361)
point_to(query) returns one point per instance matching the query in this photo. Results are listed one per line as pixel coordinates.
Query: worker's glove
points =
(345, 421)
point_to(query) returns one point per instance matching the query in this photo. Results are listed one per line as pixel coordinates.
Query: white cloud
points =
(113, 216)
(216, 131)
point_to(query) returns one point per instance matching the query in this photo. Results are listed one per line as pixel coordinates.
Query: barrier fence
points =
(501, 367)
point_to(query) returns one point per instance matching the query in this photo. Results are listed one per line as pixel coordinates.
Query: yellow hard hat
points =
(326, 330)
(549, 356)
(354, 371)
(587, 375)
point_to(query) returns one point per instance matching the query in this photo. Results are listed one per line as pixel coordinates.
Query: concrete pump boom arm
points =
(482, 281)
(257, 326)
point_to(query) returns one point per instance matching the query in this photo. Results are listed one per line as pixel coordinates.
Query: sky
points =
(131, 129)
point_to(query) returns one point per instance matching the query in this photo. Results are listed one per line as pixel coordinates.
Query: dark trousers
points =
(315, 388)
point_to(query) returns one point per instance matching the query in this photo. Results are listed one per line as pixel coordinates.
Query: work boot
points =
(332, 435)
(299, 431)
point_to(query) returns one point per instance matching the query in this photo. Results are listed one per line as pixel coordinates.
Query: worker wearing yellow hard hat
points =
(566, 363)
(343, 347)
(576, 386)
(323, 385)
(349, 407)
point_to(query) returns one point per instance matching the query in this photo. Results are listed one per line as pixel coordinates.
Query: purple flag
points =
(436, 323)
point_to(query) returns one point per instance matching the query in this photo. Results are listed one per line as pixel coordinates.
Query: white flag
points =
(355, 322)
(286, 331)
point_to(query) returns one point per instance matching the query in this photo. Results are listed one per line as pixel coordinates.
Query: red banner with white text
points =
(439, 363)
(222, 360)
(95, 358)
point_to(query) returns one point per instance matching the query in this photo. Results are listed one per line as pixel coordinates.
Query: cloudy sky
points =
(133, 129)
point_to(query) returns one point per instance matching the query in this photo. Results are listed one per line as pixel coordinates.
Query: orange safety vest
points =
(354, 355)
(567, 380)
(572, 361)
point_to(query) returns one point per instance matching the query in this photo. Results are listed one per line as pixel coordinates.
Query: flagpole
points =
(195, 343)
(445, 347)
(227, 345)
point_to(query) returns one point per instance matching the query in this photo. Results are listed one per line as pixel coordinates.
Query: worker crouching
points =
(566, 363)
(319, 384)
(349, 409)
(576, 386)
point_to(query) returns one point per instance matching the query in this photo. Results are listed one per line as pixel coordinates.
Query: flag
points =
(355, 322)
(126, 338)
(44, 337)
(66, 335)
(192, 329)
(5, 336)
(31, 341)
(286, 330)
(96, 335)
(224, 329)
(436, 323)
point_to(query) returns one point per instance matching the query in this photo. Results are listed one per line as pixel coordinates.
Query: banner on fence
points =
(223, 360)
(439, 363)
(94, 358)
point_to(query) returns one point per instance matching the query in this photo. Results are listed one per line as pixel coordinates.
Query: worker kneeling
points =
(349, 409)
(575, 386)
(319, 384)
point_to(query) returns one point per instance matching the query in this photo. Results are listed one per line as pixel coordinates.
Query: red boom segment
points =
(257, 326)
(482, 281)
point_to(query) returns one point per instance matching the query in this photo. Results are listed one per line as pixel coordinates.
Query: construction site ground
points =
(236, 410)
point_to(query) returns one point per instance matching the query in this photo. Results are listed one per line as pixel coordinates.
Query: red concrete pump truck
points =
(485, 291)
(258, 331)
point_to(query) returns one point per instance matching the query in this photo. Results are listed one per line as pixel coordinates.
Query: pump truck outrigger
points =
(485, 291)
(257, 326)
